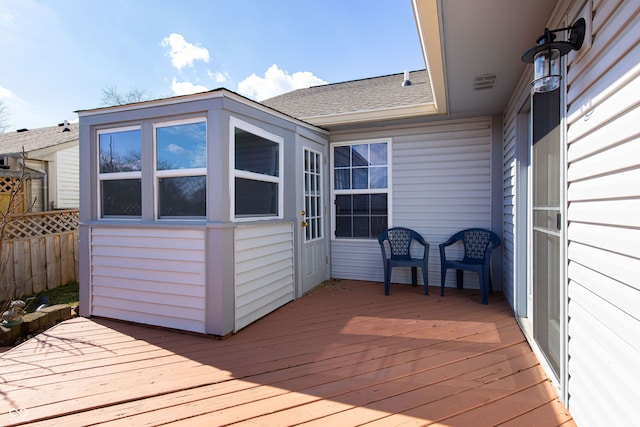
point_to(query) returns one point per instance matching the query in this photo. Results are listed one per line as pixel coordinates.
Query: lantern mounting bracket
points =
(547, 41)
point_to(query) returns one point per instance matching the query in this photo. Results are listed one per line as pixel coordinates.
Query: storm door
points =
(546, 222)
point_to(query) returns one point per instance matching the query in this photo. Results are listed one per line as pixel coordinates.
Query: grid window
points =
(360, 189)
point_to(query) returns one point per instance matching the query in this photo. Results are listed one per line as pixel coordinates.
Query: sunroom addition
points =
(190, 211)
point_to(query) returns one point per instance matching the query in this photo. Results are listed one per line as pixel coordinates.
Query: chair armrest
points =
(384, 251)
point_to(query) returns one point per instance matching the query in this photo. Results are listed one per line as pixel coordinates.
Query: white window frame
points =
(115, 176)
(175, 173)
(233, 173)
(386, 191)
(319, 217)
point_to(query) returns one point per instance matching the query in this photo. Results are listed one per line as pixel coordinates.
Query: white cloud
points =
(186, 88)
(218, 77)
(175, 149)
(182, 52)
(5, 93)
(276, 82)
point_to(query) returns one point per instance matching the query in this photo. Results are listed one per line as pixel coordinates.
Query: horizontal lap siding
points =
(264, 270)
(441, 184)
(151, 276)
(509, 191)
(68, 179)
(604, 220)
(510, 188)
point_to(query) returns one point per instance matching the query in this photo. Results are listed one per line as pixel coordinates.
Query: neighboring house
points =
(279, 196)
(50, 165)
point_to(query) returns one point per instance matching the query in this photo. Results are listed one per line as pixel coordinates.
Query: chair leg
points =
(484, 287)
(459, 279)
(490, 284)
(387, 279)
(425, 280)
(414, 276)
(387, 275)
(443, 278)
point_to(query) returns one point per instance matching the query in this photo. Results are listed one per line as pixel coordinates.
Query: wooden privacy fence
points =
(39, 251)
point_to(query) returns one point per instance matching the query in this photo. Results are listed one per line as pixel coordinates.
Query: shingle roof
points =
(35, 139)
(371, 94)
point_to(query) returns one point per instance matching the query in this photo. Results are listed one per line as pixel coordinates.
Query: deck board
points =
(343, 355)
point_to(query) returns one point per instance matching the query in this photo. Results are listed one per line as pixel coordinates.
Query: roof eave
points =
(212, 94)
(373, 115)
(428, 25)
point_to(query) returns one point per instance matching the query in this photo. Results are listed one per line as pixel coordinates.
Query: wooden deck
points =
(343, 355)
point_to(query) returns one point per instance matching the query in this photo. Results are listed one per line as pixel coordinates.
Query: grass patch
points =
(66, 294)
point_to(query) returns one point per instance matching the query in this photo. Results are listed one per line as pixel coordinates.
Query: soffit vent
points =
(484, 81)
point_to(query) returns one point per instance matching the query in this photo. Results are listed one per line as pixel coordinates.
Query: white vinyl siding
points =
(509, 189)
(68, 179)
(264, 270)
(603, 191)
(441, 184)
(151, 276)
(514, 190)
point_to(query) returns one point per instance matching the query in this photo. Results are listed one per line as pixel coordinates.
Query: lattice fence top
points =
(7, 184)
(41, 224)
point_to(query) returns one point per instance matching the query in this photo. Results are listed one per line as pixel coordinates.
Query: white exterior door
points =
(312, 217)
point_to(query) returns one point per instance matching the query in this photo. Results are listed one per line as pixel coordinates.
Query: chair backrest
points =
(476, 241)
(399, 239)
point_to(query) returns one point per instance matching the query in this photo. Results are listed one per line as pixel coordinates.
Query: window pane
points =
(256, 198)
(360, 155)
(360, 178)
(182, 196)
(378, 154)
(343, 205)
(378, 225)
(120, 151)
(378, 177)
(361, 204)
(341, 156)
(342, 179)
(361, 226)
(343, 226)
(379, 204)
(181, 146)
(256, 154)
(121, 197)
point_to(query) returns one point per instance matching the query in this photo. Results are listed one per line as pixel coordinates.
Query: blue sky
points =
(58, 56)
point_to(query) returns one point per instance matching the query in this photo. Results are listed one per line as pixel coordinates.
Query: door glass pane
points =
(546, 296)
(313, 195)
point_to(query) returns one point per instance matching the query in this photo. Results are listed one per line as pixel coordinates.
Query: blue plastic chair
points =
(399, 240)
(478, 244)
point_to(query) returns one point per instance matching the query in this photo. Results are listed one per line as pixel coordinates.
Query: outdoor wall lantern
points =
(546, 55)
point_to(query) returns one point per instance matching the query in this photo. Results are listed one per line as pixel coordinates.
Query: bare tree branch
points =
(111, 96)
(4, 117)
